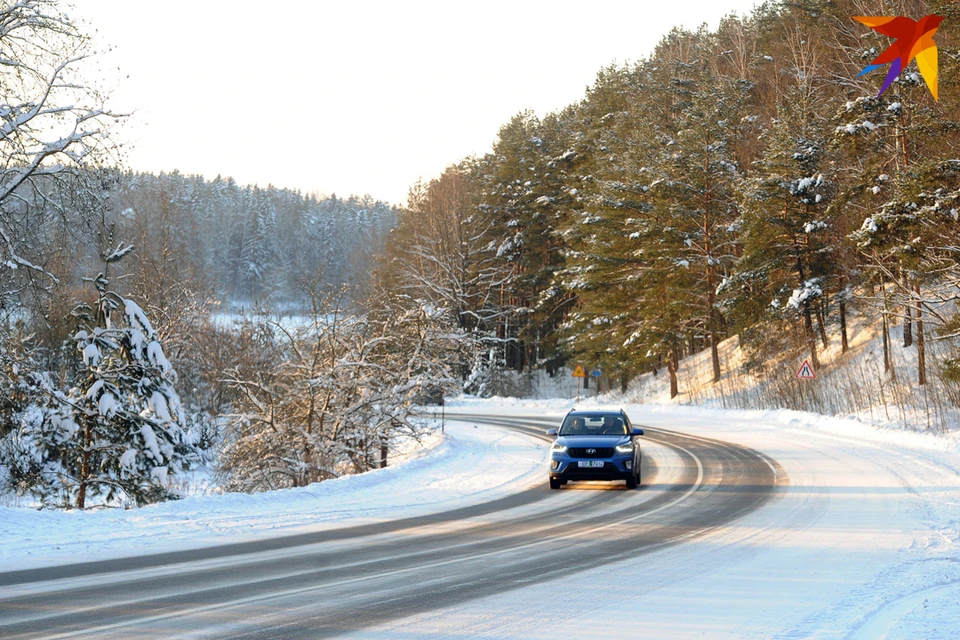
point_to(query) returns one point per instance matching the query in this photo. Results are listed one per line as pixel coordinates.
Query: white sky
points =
(355, 97)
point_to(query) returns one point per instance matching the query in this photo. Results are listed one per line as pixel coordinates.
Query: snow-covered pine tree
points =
(131, 424)
(786, 263)
(118, 433)
(608, 239)
(697, 173)
(524, 194)
(260, 256)
(23, 394)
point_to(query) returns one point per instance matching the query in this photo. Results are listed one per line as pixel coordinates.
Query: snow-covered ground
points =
(863, 543)
(851, 383)
(446, 473)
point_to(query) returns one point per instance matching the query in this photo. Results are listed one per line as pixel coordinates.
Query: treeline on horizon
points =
(226, 246)
(249, 244)
(742, 180)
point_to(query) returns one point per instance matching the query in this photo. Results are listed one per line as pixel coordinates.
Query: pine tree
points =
(118, 434)
(786, 263)
(607, 234)
(527, 195)
(697, 174)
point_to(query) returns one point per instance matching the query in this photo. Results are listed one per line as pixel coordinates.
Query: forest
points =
(739, 182)
(744, 181)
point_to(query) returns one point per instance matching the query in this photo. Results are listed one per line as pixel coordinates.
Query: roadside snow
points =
(863, 544)
(450, 471)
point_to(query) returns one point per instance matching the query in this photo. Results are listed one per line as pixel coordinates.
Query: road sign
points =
(806, 372)
(596, 373)
(578, 372)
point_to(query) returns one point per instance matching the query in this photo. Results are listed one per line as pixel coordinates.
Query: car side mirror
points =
(552, 432)
(637, 432)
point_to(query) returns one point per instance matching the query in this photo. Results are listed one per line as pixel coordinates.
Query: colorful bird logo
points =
(914, 40)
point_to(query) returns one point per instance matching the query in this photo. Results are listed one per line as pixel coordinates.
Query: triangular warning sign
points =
(806, 372)
(578, 372)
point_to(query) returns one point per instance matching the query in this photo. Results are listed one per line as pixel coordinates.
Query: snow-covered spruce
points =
(117, 434)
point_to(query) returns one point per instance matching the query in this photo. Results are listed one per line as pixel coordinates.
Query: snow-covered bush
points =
(489, 376)
(338, 390)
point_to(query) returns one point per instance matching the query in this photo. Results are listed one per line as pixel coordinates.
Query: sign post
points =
(596, 373)
(579, 374)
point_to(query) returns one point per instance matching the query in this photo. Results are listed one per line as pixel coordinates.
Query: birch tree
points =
(53, 122)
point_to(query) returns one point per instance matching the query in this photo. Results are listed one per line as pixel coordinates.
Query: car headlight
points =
(627, 447)
(558, 448)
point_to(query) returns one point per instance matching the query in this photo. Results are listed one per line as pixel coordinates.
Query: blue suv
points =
(595, 445)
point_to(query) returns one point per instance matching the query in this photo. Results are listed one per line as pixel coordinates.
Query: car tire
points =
(632, 482)
(555, 484)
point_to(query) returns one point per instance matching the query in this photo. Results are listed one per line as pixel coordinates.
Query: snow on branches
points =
(51, 123)
(337, 389)
(116, 435)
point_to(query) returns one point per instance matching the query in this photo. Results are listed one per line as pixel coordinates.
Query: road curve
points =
(329, 583)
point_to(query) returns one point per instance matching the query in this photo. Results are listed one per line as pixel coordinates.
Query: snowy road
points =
(864, 543)
(377, 577)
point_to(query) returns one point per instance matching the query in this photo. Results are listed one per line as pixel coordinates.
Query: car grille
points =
(585, 452)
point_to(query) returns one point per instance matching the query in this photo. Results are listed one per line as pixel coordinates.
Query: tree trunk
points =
(807, 316)
(886, 344)
(383, 455)
(921, 348)
(907, 326)
(672, 365)
(711, 285)
(84, 466)
(843, 326)
(811, 337)
(886, 332)
(715, 356)
(821, 323)
(714, 338)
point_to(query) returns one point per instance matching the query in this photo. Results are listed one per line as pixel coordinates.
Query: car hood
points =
(592, 441)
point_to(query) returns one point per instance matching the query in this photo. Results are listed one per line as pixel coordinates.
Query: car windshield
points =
(593, 424)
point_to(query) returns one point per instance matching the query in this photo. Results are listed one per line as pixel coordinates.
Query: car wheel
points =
(632, 482)
(555, 484)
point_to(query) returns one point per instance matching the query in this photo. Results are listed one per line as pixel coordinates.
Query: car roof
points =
(593, 412)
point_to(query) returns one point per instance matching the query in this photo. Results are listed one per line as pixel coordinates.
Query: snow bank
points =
(861, 543)
(449, 471)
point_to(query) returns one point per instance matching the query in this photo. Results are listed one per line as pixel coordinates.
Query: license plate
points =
(593, 464)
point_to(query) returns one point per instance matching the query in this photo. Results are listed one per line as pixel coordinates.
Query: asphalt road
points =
(325, 584)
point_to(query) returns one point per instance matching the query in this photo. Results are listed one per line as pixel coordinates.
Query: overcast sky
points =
(354, 97)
